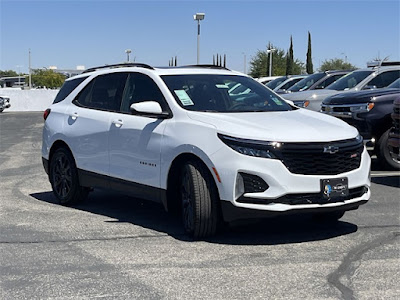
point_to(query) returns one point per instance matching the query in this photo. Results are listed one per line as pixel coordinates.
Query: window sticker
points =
(184, 97)
(222, 86)
(277, 101)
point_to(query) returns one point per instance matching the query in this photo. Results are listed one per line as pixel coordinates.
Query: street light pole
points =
(270, 60)
(30, 75)
(198, 17)
(244, 63)
(128, 51)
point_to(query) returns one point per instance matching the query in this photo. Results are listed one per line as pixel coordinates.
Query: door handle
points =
(74, 116)
(118, 123)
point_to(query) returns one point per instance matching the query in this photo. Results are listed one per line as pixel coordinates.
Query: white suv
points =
(176, 136)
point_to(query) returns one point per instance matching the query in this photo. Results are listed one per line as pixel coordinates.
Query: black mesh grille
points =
(322, 158)
(253, 183)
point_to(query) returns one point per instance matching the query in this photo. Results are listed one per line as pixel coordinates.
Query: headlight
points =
(302, 104)
(364, 107)
(251, 147)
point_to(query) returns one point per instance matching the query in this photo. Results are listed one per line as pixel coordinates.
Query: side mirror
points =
(149, 108)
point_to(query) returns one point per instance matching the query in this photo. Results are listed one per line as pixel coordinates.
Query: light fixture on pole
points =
(270, 60)
(244, 63)
(128, 51)
(198, 17)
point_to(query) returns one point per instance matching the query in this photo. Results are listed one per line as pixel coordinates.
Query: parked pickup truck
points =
(370, 112)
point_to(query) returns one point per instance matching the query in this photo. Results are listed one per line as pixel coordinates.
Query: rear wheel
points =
(385, 157)
(199, 200)
(64, 178)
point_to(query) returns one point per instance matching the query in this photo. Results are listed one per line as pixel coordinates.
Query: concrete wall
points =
(29, 100)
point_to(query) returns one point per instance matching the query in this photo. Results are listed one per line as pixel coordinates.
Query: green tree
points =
(336, 64)
(290, 59)
(8, 73)
(259, 64)
(309, 64)
(47, 78)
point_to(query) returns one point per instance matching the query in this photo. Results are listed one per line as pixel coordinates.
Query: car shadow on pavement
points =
(393, 181)
(273, 231)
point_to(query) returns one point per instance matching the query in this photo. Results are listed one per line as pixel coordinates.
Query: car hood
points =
(359, 97)
(309, 95)
(298, 125)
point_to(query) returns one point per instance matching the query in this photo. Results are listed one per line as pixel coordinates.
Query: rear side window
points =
(384, 79)
(104, 92)
(67, 88)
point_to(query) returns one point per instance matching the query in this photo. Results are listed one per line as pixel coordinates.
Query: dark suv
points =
(370, 112)
(394, 133)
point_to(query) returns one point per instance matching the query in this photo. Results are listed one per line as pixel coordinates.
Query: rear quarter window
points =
(67, 88)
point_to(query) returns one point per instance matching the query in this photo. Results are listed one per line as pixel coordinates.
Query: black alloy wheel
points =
(64, 178)
(199, 199)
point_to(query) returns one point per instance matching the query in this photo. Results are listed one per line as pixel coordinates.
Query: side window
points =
(67, 88)
(384, 79)
(140, 88)
(104, 92)
(328, 81)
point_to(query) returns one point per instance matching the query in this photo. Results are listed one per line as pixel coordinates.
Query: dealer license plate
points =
(334, 188)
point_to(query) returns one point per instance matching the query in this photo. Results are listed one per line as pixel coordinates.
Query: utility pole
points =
(30, 75)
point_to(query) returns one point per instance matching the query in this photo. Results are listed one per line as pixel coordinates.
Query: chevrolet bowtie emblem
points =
(331, 149)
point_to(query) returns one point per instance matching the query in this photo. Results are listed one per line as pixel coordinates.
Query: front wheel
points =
(385, 157)
(199, 200)
(64, 178)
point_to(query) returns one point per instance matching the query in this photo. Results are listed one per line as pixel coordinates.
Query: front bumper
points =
(282, 184)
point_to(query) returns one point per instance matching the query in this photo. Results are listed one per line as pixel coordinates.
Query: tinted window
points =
(104, 92)
(67, 88)
(274, 83)
(211, 93)
(328, 81)
(349, 81)
(305, 83)
(290, 83)
(384, 79)
(395, 84)
(141, 88)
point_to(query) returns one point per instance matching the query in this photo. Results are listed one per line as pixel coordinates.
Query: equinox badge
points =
(331, 149)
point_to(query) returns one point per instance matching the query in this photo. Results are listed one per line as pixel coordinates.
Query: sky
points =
(95, 32)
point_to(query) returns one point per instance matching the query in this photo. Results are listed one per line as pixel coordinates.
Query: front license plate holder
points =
(335, 188)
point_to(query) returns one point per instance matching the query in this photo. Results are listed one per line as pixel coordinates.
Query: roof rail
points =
(382, 63)
(118, 66)
(206, 67)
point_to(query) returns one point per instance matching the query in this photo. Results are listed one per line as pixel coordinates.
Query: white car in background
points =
(177, 136)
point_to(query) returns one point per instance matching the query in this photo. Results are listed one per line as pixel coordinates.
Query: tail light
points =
(46, 113)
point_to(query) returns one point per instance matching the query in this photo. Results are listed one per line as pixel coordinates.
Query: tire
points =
(328, 217)
(199, 200)
(385, 158)
(64, 180)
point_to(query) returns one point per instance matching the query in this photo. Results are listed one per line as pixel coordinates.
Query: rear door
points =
(89, 121)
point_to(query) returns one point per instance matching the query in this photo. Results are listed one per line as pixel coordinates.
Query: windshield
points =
(306, 83)
(212, 93)
(349, 81)
(274, 83)
(395, 84)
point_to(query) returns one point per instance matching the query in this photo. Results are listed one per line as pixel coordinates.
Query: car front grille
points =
(322, 158)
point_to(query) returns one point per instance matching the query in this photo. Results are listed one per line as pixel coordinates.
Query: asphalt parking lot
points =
(116, 247)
